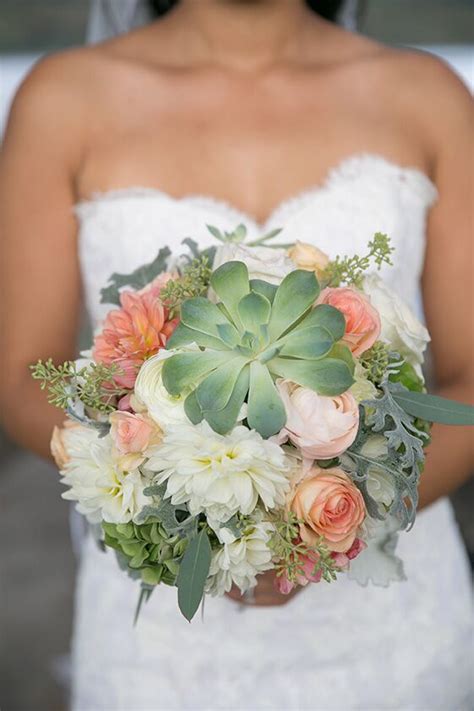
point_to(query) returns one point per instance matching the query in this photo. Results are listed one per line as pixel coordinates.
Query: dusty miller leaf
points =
(167, 513)
(404, 460)
(138, 279)
(385, 415)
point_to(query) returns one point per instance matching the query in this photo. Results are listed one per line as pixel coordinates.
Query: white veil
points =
(112, 17)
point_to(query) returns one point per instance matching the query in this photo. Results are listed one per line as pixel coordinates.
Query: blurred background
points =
(36, 559)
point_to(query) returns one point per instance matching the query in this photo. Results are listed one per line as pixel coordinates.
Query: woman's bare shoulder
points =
(69, 89)
(429, 92)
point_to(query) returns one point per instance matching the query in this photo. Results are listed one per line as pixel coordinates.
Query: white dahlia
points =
(101, 488)
(240, 560)
(220, 475)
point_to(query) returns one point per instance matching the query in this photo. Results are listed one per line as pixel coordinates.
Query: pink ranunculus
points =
(321, 427)
(363, 324)
(283, 585)
(125, 403)
(136, 331)
(130, 433)
(342, 560)
(328, 505)
(308, 574)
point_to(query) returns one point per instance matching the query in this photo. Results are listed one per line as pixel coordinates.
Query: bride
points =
(287, 120)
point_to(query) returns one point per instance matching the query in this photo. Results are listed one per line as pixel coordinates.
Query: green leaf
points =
(202, 315)
(295, 295)
(408, 377)
(266, 412)
(216, 233)
(231, 282)
(254, 311)
(326, 377)
(193, 574)
(214, 392)
(326, 316)
(227, 334)
(343, 352)
(192, 409)
(222, 421)
(137, 279)
(186, 369)
(264, 288)
(308, 343)
(183, 336)
(434, 408)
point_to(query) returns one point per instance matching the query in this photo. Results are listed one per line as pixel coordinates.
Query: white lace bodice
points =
(332, 647)
(122, 229)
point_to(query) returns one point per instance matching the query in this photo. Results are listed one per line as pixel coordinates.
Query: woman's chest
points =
(248, 144)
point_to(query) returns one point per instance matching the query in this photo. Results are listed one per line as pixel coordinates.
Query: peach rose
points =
(58, 444)
(307, 256)
(329, 505)
(321, 427)
(131, 435)
(362, 319)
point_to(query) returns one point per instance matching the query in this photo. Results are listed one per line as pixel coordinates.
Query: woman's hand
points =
(264, 594)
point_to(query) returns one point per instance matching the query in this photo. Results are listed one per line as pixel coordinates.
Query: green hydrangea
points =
(149, 551)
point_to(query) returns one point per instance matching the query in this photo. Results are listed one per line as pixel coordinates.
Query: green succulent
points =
(148, 549)
(256, 334)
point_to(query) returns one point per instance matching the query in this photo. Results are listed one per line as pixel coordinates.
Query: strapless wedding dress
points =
(337, 646)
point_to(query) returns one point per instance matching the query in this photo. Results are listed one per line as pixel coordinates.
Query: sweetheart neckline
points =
(342, 168)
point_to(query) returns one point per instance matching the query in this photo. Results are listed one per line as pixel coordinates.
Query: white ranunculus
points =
(265, 263)
(380, 485)
(400, 327)
(100, 487)
(151, 395)
(220, 475)
(239, 560)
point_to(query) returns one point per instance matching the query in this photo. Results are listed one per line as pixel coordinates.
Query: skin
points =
(232, 90)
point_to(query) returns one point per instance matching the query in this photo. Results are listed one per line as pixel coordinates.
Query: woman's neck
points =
(243, 34)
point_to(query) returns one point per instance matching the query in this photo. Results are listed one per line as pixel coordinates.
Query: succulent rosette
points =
(254, 335)
(267, 414)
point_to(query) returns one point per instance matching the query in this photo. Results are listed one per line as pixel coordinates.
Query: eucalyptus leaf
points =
(193, 573)
(434, 408)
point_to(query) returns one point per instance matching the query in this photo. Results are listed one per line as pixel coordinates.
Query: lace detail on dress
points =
(349, 169)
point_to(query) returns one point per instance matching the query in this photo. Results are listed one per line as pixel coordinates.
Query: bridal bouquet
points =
(244, 409)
